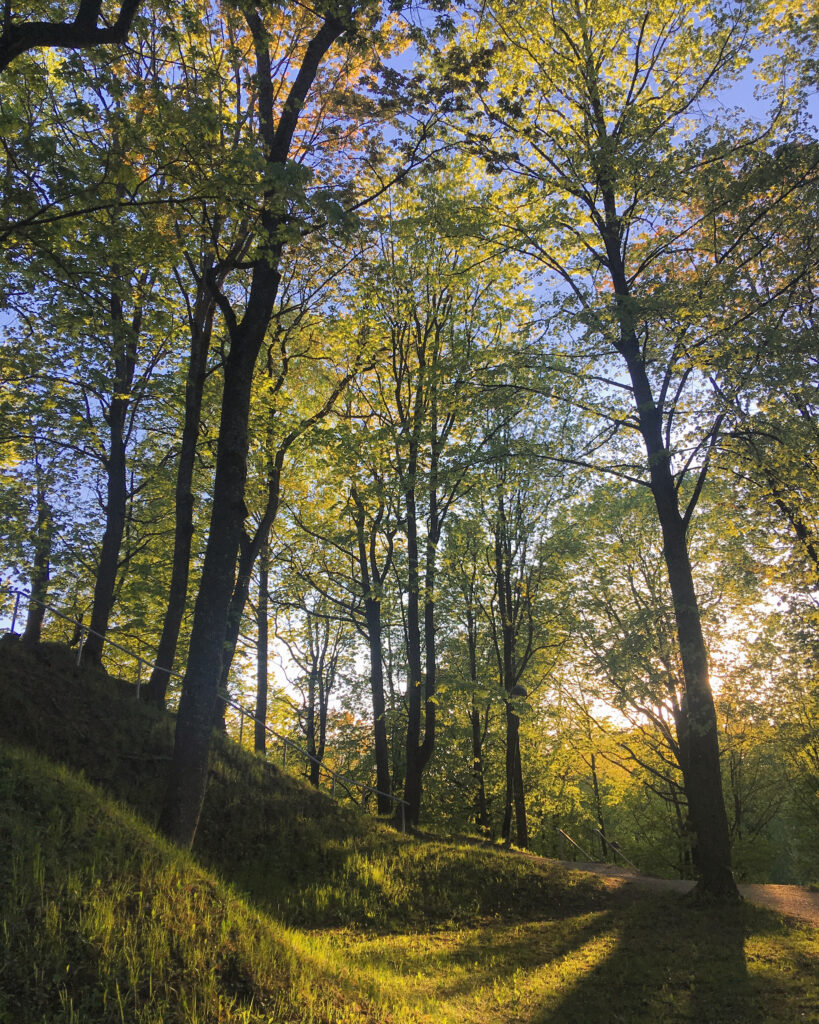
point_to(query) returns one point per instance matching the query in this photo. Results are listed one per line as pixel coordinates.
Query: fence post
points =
(403, 816)
(80, 644)
(139, 676)
(16, 607)
(241, 724)
(284, 754)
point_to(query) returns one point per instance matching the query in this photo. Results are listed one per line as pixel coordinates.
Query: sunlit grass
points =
(645, 959)
(103, 921)
(328, 917)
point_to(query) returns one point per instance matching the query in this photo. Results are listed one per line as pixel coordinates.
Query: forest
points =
(439, 382)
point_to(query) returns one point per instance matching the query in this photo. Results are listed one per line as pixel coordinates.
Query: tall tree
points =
(247, 329)
(604, 146)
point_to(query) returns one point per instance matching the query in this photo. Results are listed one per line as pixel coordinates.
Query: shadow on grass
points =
(673, 961)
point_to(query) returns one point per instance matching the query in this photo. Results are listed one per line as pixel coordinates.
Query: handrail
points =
(226, 698)
(565, 835)
(615, 846)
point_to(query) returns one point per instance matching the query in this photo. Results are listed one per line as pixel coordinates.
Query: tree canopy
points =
(444, 381)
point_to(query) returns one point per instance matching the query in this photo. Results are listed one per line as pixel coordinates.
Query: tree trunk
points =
(201, 330)
(515, 796)
(478, 769)
(188, 776)
(125, 338)
(262, 635)
(522, 826)
(189, 767)
(478, 773)
(598, 804)
(414, 768)
(370, 576)
(41, 569)
(699, 746)
(701, 766)
(372, 611)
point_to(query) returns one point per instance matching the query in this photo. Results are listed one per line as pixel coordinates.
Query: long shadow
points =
(485, 958)
(674, 961)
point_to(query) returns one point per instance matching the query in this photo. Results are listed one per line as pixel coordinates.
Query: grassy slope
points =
(103, 921)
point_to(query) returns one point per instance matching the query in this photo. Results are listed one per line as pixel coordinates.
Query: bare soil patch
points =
(791, 900)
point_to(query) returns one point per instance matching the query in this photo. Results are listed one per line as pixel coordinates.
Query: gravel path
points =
(792, 900)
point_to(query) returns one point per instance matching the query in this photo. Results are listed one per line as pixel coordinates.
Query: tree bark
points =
(41, 568)
(482, 823)
(700, 760)
(510, 672)
(125, 342)
(372, 612)
(478, 773)
(82, 32)
(189, 767)
(415, 682)
(262, 638)
(201, 328)
(371, 577)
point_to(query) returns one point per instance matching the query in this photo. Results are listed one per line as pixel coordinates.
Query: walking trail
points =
(792, 900)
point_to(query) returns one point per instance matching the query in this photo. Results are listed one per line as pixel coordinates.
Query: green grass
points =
(643, 959)
(103, 921)
(296, 909)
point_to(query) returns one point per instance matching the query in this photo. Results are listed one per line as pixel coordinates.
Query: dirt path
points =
(792, 900)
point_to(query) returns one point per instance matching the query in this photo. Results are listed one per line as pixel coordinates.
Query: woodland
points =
(440, 382)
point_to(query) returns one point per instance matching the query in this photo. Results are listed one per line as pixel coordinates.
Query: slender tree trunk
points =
(412, 784)
(370, 575)
(201, 331)
(422, 686)
(700, 762)
(598, 806)
(41, 569)
(522, 826)
(478, 773)
(515, 796)
(188, 772)
(262, 643)
(125, 338)
(511, 751)
(478, 770)
(372, 611)
(310, 732)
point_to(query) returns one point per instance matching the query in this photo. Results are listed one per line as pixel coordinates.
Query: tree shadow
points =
(674, 960)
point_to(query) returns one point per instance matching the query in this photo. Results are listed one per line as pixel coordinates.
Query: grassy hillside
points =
(294, 908)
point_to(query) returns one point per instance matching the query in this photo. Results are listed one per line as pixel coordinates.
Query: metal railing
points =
(612, 844)
(334, 777)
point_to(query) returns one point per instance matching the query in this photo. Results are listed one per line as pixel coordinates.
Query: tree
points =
(84, 31)
(593, 119)
(246, 329)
